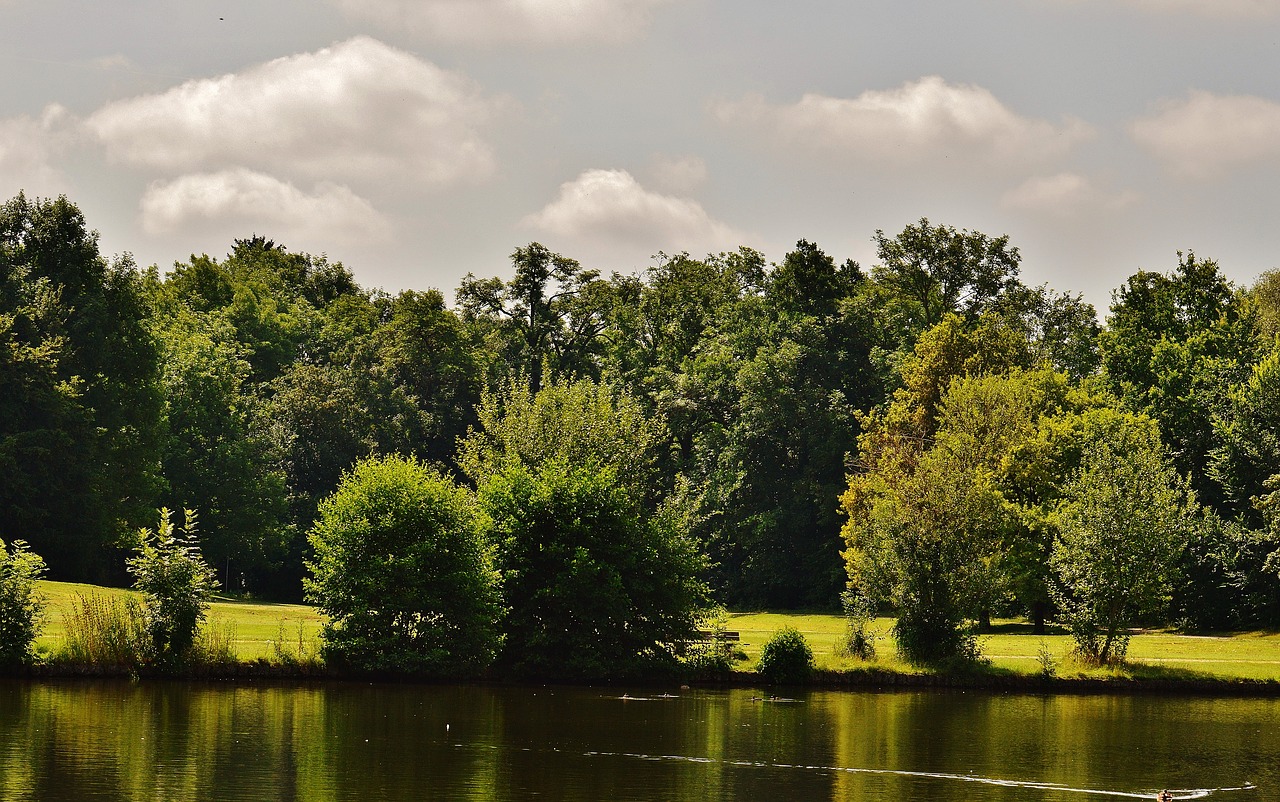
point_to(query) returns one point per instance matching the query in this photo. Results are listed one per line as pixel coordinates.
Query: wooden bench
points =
(707, 634)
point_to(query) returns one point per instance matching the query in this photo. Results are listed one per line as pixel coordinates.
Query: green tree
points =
(215, 457)
(581, 423)
(1173, 348)
(21, 605)
(83, 448)
(176, 586)
(550, 315)
(936, 270)
(593, 586)
(402, 572)
(1123, 524)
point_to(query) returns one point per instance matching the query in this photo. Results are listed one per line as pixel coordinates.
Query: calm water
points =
(173, 741)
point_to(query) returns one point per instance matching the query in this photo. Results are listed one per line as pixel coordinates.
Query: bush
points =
(786, 658)
(21, 608)
(402, 572)
(858, 641)
(106, 632)
(176, 585)
(594, 585)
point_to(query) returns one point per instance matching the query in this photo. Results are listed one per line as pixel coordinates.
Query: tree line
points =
(930, 433)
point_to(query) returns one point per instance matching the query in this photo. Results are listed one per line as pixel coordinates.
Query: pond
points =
(246, 741)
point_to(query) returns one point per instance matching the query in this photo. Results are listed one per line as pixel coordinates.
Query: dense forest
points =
(928, 433)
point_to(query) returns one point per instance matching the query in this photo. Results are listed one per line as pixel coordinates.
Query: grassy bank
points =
(257, 630)
(268, 631)
(1013, 648)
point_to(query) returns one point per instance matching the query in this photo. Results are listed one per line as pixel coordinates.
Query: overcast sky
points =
(418, 140)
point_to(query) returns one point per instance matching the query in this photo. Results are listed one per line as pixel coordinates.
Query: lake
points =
(116, 740)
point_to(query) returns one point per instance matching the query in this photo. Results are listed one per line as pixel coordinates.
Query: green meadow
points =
(266, 630)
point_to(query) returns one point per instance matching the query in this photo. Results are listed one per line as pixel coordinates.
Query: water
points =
(373, 743)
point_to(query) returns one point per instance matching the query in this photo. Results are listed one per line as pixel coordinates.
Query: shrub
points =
(593, 584)
(858, 641)
(786, 658)
(21, 607)
(402, 572)
(109, 633)
(176, 585)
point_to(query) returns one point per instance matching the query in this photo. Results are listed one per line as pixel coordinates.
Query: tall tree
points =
(551, 313)
(1173, 347)
(936, 270)
(1124, 523)
(83, 318)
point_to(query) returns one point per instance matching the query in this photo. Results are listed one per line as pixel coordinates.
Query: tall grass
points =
(110, 633)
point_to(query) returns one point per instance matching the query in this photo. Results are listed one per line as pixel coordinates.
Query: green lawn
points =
(1252, 655)
(254, 626)
(259, 630)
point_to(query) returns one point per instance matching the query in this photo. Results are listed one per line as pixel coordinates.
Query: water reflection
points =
(238, 741)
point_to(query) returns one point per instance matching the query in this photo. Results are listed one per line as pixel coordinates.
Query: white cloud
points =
(1064, 195)
(925, 119)
(1206, 135)
(506, 21)
(358, 110)
(243, 198)
(28, 146)
(611, 206)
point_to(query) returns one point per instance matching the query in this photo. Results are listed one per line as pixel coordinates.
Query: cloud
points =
(678, 174)
(28, 146)
(925, 119)
(1064, 195)
(358, 110)
(244, 198)
(509, 21)
(1206, 135)
(611, 206)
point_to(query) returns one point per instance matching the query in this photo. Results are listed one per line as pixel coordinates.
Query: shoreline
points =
(872, 680)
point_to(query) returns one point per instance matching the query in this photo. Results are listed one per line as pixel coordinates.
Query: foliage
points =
(176, 585)
(402, 572)
(105, 631)
(1123, 525)
(1173, 348)
(215, 457)
(550, 316)
(786, 658)
(592, 585)
(857, 641)
(79, 433)
(579, 423)
(937, 270)
(21, 606)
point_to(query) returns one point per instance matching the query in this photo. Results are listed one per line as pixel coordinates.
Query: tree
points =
(808, 282)
(580, 423)
(1123, 524)
(215, 457)
(593, 586)
(925, 540)
(21, 606)
(176, 586)
(550, 315)
(937, 270)
(402, 572)
(84, 455)
(1173, 348)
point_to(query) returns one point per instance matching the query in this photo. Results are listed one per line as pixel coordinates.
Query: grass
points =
(257, 630)
(1012, 648)
(277, 631)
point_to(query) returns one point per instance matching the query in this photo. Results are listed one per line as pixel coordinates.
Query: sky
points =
(418, 140)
